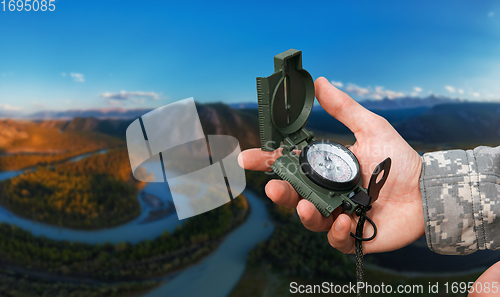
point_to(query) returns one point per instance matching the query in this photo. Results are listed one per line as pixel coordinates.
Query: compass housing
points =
(285, 98)
(341, 154)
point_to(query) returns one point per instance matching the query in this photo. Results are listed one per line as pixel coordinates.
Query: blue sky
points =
(138, 54)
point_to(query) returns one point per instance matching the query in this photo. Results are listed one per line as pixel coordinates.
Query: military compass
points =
(326, 173)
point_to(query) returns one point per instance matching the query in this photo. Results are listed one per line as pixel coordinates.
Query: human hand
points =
(397, 212)
(489, 279)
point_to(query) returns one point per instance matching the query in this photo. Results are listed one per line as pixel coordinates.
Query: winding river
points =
(217, 274)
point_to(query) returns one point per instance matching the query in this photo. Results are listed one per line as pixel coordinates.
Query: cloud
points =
(460, 91)
(137, 96)
(78, 77)
(378, 93)
(450, 89)
(475, 94)
(491, 14)
(8, 107)
(63, 74)
(417, 89)
(338, 84)
(356, 90)
(38, 104)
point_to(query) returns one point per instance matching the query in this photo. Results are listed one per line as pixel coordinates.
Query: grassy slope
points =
(47, 144)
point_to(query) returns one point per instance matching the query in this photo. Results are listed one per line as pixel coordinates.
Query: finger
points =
(257, 159)
(342, 107)
(312, 218)
(282, 193)
(339, 235)
(492, 275)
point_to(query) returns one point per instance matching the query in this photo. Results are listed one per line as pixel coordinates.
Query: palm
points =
(398, 208)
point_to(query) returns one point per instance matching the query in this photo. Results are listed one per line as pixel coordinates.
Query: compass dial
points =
(330, 164)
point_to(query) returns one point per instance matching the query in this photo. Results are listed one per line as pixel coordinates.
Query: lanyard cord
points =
(358, 243)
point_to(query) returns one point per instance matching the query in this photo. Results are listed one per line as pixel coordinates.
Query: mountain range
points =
(122, 113)
(384, 104)
(435, 120)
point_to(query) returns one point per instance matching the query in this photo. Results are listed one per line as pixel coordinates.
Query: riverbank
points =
(218, 273)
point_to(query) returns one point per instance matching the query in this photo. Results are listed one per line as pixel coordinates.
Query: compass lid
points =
(286, 99)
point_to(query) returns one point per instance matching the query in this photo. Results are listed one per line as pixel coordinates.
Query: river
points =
(215, 276)
(132, 232)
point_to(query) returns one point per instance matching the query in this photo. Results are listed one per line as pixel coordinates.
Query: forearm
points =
(461, 200)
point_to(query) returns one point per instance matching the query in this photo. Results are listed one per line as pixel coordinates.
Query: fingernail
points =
(240, 161)
(298, 213)
(338, 226)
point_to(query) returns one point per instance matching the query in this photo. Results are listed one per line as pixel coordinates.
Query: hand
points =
(398, 210)
(490, 276)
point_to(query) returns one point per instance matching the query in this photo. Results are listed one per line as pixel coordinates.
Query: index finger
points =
(257, 159)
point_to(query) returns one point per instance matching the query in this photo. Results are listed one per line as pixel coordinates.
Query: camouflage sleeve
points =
(461, 200)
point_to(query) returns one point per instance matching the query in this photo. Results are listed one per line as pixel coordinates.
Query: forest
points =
(14, 284)
(123, 261)
(92, 193)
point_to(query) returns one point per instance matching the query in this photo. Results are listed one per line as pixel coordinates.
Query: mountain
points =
(11, 131)
(384, 104)
(216, 118)
(244, 105)
(407, 102)
(451, 124)
(121, 113)
(320, 120)
(455, 123)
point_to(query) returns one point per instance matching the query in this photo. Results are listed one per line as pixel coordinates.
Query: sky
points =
(145, 54)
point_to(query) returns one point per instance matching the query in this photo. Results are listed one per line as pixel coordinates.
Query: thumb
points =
(342, 107)
(491, 279)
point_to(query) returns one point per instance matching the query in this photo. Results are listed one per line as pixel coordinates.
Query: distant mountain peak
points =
(408, 102)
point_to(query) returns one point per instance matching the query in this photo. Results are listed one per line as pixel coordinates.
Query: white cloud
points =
(63, 74)
(378, 93)
(460, 91)
(338, 84)
(475, 94)
(124, 95)
(8, 107)
(38, 104)
(356, 90)
(417, 89)
(491, 14)
(78, 77)
(450, 89)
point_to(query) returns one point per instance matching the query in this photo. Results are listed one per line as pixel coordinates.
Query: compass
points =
(326, 173)
(330, 164)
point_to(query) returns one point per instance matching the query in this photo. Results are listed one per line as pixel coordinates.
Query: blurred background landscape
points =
(74, 222)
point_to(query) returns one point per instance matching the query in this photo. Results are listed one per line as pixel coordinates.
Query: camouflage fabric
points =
(461, 200)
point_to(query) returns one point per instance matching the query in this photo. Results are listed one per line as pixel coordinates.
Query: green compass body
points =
(326, 173)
